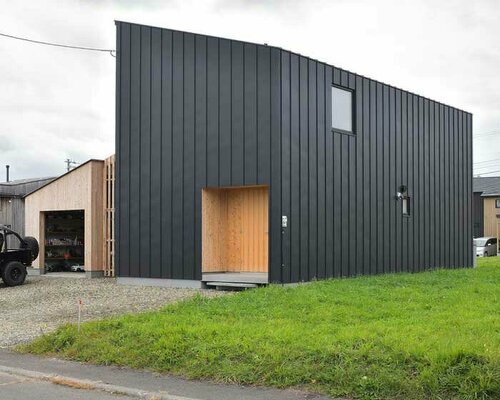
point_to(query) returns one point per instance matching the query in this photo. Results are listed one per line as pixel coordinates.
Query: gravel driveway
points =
(43, 303)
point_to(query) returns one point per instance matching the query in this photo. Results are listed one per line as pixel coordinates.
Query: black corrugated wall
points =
(196, 111)
(478, 214)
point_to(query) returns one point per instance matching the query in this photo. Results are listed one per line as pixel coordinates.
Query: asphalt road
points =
(30, 377)
(15, 387)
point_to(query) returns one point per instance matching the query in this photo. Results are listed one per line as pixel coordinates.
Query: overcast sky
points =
(59, 103)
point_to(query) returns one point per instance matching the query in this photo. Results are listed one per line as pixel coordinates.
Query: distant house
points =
(486, 206)
(12, 200)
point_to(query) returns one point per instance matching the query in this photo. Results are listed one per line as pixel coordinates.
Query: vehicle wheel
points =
(32, 244)
(14, 273)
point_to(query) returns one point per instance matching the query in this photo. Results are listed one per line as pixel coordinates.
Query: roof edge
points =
(117, 22)
(63, 175)
(26, 181)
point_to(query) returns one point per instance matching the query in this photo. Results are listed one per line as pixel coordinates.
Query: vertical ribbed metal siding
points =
(340, 197)
(192, 111)
(12, 213)
(196, 111)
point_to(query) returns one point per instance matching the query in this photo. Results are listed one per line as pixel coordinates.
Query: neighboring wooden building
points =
(486, 208)
(12, 200)
(67, 216)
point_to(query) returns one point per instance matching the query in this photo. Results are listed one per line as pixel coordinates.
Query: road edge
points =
(91, 385)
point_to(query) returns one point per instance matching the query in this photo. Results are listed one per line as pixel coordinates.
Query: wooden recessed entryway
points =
(235, 230)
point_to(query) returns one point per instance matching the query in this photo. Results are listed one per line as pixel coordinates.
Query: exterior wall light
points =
(401, 192)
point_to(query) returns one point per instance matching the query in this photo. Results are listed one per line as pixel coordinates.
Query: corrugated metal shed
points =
(12, 200)
(22, 187)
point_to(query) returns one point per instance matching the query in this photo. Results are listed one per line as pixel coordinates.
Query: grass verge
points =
(401, 336)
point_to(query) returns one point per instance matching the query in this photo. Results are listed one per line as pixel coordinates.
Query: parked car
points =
(486, 246)
(60, 266)
(77, 268)
(13, 261)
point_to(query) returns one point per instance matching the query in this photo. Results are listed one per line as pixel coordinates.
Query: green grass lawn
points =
(401, 336)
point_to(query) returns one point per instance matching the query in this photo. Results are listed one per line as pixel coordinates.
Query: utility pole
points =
(69, 164)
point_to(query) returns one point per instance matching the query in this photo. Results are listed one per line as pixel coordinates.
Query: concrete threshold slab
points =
(232, 284)
(236, 277)
(71, 275)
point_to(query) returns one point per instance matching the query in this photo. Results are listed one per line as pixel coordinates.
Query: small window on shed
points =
(497, 203)
(342, 110)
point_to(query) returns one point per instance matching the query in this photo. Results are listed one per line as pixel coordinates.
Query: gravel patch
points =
(43, 303)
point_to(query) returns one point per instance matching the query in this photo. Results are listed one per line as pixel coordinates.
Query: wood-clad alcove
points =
(235, 229)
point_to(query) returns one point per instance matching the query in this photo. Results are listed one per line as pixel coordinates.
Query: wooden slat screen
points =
(109, 216)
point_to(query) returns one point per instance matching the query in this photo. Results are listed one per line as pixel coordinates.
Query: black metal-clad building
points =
(379, 181)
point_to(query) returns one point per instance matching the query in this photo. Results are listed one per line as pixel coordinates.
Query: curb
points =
(92, 385)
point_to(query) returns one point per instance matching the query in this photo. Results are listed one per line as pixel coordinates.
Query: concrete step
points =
(230, 285)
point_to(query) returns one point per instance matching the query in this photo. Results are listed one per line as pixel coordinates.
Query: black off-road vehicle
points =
(13, 262)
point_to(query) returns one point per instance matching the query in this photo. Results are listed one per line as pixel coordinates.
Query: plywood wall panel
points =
(231, 230)
(211, 204)
(235, 230)
(490, 216)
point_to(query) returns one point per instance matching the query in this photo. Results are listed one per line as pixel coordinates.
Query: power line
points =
(490, 160)
(70, 164)
(485, 173)
(485, 136)
(495, 153)
(487, 167)
(487, 162)
(494, 160)
(110, 51)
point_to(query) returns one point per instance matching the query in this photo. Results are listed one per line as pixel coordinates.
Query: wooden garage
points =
(235, 241)
(71, 217)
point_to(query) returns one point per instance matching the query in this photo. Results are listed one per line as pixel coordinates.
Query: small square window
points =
(406, 206)
(497, 203)
(342, 110)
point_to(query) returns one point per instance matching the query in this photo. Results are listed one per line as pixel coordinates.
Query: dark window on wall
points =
(342, 110)
(497, 203)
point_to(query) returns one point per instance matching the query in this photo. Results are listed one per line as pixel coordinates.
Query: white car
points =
(77, 268)
(486, 246)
